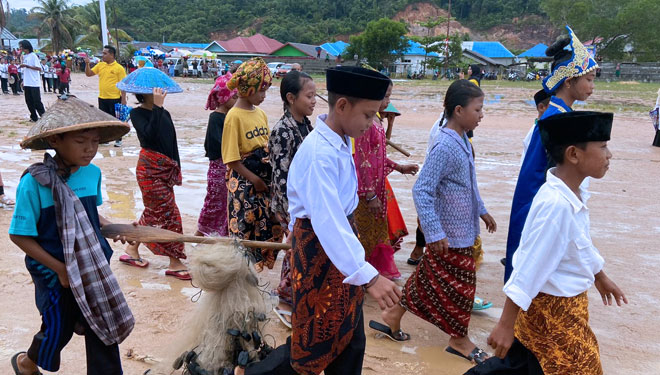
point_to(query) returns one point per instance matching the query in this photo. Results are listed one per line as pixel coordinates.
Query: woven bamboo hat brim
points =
(72, 114)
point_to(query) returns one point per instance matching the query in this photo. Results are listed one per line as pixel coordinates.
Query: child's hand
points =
(259, 185)
(374, 205)
(608, 290)
(63, 276)
(491, 225)
(441, 246)
(501, 339)
(409, 169)
(159, 96)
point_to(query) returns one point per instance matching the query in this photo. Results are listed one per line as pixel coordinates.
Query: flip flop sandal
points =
(397, 336)
(14, 365)
(4, 201)
(280, 314)
(127, 259)
(413, 262)
(476, 356)
(180, 274)
(480, 304)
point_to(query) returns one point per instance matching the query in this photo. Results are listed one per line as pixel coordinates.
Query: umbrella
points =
(144, 80)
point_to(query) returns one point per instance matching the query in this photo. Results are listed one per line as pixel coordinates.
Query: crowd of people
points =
(323, 188)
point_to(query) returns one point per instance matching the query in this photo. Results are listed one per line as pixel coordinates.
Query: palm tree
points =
(56, 18)
(89, 16)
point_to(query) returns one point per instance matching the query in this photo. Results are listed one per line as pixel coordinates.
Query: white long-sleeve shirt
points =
(322, 187)
(556, 255)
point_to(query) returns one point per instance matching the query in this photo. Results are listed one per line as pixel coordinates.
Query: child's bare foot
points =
(392, 317)
(239, 371)
(132, 256)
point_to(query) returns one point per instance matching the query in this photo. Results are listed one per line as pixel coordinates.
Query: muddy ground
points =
(623, 218)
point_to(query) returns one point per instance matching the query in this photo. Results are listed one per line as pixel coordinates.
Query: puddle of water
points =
(155, 286)
(439, 362)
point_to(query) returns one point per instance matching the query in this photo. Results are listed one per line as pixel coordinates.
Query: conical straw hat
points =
(72, 114)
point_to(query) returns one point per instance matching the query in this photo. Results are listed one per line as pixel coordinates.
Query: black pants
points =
(43, 81)
(108, 106)
(59, 321)
(49, 82)
(33, 101)
(64, 87)
(14, 86)
(420, 241)
(349, 361)
(5, 88)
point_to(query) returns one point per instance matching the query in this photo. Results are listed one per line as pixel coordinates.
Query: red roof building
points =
(257, 44)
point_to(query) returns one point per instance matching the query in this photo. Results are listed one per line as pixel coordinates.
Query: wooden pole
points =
(389, 143)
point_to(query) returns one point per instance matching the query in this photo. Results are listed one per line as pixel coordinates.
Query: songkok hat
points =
(357, 82)
(145, 80)
(70, 114)
(578, 63)
(540, 96)
(570, 128)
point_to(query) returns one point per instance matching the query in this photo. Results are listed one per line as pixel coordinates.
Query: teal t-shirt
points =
(34, 216)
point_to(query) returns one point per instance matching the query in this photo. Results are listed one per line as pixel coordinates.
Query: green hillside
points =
(306, 21)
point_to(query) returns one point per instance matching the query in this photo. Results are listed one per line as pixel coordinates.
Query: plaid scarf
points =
(94, 286)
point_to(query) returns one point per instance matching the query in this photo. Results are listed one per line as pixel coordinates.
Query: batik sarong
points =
(556, 330)
(326, 311)
(441, 290)
(156, 176)
(250, 217)
(213, 218)
(375, 239)
(284, 290)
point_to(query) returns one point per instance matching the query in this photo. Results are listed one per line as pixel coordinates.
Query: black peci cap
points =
(570, 128)
(357, 82)
(540, 96)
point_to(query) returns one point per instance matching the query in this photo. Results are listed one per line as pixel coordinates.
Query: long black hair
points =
(476, 73)
(557, 51)
(25, 44)
(459, 93)
(292, 83)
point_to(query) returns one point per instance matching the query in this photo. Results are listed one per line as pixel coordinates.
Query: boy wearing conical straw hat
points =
(57, 225)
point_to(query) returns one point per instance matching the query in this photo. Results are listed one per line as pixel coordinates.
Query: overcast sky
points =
(29, 4)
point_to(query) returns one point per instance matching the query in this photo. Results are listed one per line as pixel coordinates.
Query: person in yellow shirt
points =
(245, 152)
(110, 73)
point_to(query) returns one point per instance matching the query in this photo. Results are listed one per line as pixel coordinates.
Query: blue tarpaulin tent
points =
(537, 51)
(335, 49)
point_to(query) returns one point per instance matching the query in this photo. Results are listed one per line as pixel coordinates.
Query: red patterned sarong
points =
(441, 290)
(396, 226)
(156, 176)
(326, 311)
(213, 218)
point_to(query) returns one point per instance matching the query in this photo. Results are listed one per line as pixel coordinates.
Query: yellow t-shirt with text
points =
(244, 131)
(109, 76)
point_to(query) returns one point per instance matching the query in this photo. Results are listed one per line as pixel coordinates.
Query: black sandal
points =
(396, 336)
(14, 365)
(476, 356)
(413, 262)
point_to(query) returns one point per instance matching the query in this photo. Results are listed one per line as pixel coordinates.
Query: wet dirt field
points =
(623, 220)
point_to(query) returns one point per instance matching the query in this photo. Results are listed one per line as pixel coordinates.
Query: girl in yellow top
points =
(245, 152)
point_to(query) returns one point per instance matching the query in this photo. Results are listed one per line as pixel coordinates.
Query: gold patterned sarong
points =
(556, 330)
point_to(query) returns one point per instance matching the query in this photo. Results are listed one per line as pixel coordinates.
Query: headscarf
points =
(220, 94)
(476, 74)
(252, 76)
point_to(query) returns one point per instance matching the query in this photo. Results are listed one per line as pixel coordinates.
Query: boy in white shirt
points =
(328, 268)
(556, 262)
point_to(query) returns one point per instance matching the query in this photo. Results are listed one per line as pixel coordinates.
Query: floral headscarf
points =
(252, 76)
(220, 94)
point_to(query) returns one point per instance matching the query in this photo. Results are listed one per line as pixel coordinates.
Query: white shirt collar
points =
(333, 138)
(566, 192)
